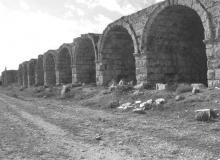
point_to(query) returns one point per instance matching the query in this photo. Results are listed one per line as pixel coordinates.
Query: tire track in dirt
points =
(59, 138)
(153, 142)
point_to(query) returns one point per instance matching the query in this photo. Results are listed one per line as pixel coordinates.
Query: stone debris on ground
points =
(114, 104)
(195, 90)
(65, 89)
(161, 86)
(198, 86)
(160, 101)
(206, 114)
(98, 137)
(141, 107)
(179, 98)
(142, 85)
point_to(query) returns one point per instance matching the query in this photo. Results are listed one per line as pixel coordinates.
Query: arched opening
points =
(39, 74)
(50, 77)
(117, 56)
(85, 61)
(64, 74)
(174, 47)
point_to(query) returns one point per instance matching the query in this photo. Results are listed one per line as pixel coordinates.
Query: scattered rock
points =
(179, 98)
(160, 101)
(198, 86)
(65, 89)
(143, 85)
(125, 106)
(137, 102)
(98, 137)
(160, 86)
(113, 86)
(139, 110)
(150, 101)
(146, 105)
(138, 93)
(114, 104)
(195, 90)
(206, 114)
(122, 83)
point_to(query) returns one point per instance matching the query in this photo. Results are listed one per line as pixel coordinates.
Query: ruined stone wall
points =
(24, 74)
(9, 77)
(49, 68)
(163, 48)
(84, 58)
(20, 76)
(39, 71)
(31, 72)
(63, 64)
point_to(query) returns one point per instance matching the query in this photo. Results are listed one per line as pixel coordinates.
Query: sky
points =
(31, 27)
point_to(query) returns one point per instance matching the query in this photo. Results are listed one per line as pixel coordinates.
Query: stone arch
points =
(173, 42)
(84, 66)
(197, 7)
(63, 65)
(121, 24)
(39, 74)
(94, 39)
(49, 68)
(117, 48)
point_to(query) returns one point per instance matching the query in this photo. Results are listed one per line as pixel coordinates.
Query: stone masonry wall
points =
(20, 76)
(39, 71)
(63, 61)
(49, 68)
(84, 59)
(24, 74)
(140, 26)
(9, 77)
(31, 72)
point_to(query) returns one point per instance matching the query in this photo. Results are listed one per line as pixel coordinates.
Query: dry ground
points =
(38, 124)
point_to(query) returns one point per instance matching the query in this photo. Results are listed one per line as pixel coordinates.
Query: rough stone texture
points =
(9, 77)
(31, 72)
(63, 64)
(170, 41)
(24, 74)
(84, 58)
(39, 71)
(49, 68)
(20, 75)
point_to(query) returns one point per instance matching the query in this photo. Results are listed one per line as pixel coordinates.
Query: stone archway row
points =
(128, 49)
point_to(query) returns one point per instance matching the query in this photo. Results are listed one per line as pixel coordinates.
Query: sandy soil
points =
(54, 128)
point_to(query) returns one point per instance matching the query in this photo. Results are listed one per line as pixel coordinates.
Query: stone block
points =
(211, 74)
(217, 74)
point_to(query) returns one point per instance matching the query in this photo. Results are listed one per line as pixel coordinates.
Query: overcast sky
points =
(31, 27)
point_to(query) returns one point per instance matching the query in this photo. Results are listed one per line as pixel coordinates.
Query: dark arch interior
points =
(117, 54)
(175, 48)
(85, 61)
(64, 66)
(50, 70)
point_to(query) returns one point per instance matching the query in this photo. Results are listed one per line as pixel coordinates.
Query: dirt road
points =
(52, 129)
